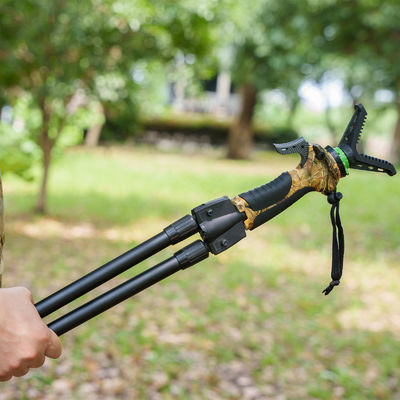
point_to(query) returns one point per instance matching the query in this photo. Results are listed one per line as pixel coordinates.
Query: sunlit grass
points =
(251, 320)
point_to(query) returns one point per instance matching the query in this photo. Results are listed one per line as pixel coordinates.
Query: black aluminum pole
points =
(174, 233)
(188, 256)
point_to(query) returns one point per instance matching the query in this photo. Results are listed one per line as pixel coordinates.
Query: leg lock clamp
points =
(221, 224)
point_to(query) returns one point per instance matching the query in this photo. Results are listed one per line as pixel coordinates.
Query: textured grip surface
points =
(299, 145)
(278, 208)
(268, 194)
(320, 173)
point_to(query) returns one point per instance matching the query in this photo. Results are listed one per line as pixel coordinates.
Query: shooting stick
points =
(223, 222)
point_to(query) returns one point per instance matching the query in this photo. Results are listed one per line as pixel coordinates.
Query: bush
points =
(276, 135)
(216, 130)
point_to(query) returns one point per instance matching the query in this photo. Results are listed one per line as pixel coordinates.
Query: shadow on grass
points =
(230, 326)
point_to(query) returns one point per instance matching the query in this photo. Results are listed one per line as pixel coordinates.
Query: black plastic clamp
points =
(221, 224)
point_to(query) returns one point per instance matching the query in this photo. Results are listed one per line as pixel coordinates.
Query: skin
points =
(25, 340)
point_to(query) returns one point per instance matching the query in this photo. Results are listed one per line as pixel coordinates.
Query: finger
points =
(24, 292)
(37, 362)
(21, 371)
(54, 348)
(4, 378)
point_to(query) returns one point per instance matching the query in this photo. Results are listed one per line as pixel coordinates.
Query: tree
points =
(366, 34)
(271, 52)
(56, 50)
(282, 43)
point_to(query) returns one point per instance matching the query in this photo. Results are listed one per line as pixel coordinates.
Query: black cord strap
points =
(337, 242)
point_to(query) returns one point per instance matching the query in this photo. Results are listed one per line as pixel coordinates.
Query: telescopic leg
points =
(174, 233)
(184, 258)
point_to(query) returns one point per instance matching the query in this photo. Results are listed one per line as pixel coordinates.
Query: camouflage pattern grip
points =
(319, 174)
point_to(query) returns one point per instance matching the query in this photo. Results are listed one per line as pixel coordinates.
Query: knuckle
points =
(38, 361)
(14, 365)
(23, 291)
(30, 354)
(41, 335)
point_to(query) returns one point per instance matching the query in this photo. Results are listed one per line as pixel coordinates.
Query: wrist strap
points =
(337, 242)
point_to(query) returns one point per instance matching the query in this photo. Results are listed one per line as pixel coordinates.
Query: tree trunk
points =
(292, 112)
(396, 135)
(46, 144)
(93, 134)
(329, 123)
(240, 141)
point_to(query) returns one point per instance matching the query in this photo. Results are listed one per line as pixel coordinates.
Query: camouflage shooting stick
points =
(223, 222)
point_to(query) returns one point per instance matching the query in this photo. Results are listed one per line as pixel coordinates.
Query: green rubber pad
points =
(344, 159)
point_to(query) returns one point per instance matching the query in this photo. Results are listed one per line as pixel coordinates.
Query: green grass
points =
(249, 322)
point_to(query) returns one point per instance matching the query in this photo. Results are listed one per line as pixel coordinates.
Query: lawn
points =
(250, 323)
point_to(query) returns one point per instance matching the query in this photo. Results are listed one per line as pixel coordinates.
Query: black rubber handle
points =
(272, 196)
(268, 194)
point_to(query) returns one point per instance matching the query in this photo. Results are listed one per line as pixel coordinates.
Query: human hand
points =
(25, 340)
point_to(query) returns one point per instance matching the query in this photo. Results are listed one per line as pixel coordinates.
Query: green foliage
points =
(17, 152)
(269, 52)
(92, 45)
(121, 116)
(369, 43)
(77, 123)
(18, 148)
(276, 45)
(57, 50)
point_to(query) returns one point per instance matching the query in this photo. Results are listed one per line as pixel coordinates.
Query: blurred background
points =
(118, 117)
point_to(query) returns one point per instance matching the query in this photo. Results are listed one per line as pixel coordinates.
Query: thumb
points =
(54, 348)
